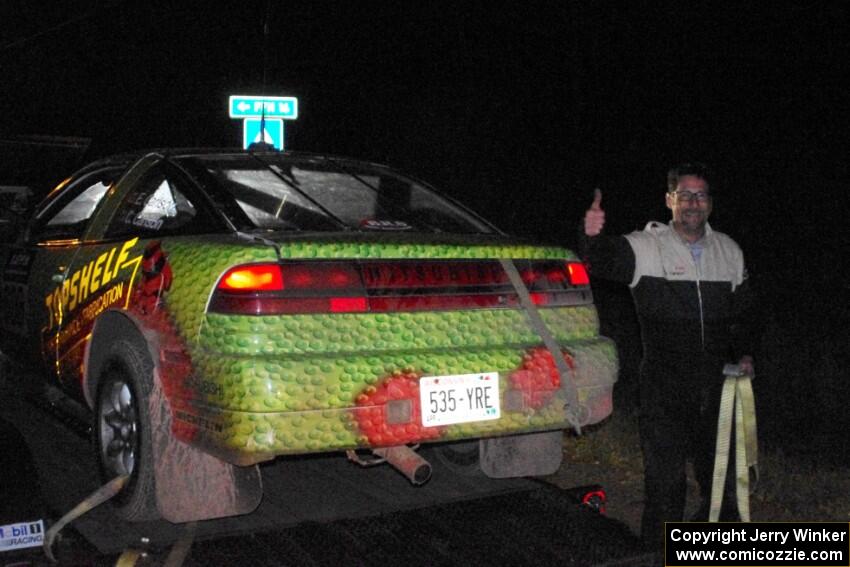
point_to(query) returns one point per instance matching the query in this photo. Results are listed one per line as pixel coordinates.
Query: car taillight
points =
(578, 273)
(329, 286)
(288, 288)
(348, 304)
(251, 278)
(322, 275)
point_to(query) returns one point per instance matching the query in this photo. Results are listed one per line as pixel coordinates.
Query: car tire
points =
(5, 369)
(461, 457)
(122, 430)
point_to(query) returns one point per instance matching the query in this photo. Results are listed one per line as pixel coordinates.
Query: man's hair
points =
(693, 168)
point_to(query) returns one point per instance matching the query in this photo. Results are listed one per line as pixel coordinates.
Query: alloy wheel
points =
(118, 428)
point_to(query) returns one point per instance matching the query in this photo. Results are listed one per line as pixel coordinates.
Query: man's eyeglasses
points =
(689, 196)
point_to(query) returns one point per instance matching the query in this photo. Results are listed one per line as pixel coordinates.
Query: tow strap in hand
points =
(736, 399)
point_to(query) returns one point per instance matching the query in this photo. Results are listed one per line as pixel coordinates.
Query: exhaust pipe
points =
(407, 461)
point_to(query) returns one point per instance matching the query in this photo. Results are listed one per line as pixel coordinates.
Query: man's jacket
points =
(684, 307)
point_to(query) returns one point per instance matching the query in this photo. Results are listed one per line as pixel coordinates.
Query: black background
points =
(518, 111)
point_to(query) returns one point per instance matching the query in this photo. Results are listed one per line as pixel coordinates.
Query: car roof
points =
(131, 156)
(126, 159)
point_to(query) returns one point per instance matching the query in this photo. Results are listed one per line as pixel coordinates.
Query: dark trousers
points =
(679, 403)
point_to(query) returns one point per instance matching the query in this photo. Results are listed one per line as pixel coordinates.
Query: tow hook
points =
(595, 499)
(403, 458)
(593, 496)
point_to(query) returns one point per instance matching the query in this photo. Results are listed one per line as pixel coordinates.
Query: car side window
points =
(68, 216)
(157, 206)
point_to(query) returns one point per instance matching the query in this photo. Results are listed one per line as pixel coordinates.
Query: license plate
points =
(459, 398)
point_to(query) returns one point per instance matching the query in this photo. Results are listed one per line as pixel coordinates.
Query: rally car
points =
(219, 308)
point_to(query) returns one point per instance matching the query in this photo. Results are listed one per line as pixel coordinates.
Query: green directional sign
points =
(247, 106)
(269, 131)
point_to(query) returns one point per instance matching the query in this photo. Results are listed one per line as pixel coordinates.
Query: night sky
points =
(518, 112)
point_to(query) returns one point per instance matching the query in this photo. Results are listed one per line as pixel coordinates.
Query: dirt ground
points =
(623, 486)
(793, 485)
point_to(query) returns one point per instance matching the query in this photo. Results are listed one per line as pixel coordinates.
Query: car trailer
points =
(316, 510)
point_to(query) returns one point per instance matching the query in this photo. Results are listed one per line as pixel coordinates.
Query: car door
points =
(33, 291)
(152, 202)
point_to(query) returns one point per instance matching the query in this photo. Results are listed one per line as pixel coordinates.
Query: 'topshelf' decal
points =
(88, 280)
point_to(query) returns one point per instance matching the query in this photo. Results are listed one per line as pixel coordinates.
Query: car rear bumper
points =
(311, 405)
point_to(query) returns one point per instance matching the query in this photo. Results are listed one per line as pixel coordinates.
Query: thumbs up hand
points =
(594, 218)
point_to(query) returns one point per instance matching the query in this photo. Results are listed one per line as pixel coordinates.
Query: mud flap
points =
(531, 454)
(192, 485)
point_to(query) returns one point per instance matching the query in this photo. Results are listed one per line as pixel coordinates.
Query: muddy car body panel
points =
(298, 304)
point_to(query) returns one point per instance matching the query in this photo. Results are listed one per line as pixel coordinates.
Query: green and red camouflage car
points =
(216, 309)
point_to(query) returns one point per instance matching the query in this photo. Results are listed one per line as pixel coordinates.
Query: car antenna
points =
(262, 145)
(265, 66)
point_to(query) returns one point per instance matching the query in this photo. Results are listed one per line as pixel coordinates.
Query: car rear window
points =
(285, 193)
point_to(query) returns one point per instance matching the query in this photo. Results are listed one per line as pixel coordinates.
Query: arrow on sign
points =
(266, 137)
(269, 131)
(244, 106)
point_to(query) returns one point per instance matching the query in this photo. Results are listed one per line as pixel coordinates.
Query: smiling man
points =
(690, 202)
(689, 287)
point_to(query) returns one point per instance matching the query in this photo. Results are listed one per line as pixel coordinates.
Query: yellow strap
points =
(745, 393)
(93, 500)
(536, 321)
(736, 398)
(129, 558)
(180, 550)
